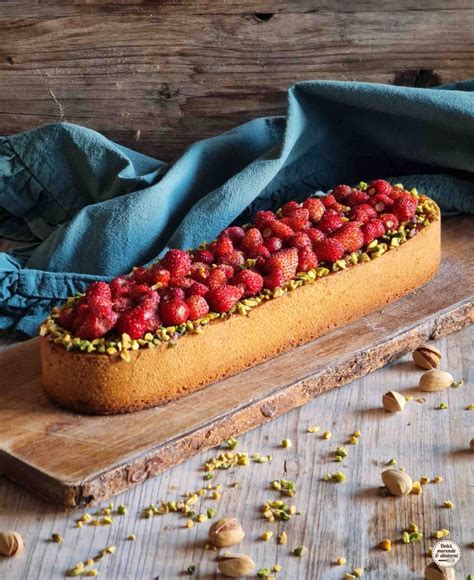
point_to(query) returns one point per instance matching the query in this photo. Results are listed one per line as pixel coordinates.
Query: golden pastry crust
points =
(99, 384)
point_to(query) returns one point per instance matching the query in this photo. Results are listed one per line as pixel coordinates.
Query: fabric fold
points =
(91, 208)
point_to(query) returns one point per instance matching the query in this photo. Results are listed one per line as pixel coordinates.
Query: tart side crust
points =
(97, 384)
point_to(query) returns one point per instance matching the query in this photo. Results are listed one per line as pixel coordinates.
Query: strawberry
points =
(404, 207)
(119, 286)
(158, 276)
(329, 201)
(273, 244)
(278, 229)
(141, 275)
(66, 317)
(100, 291)
(173, 294)
(289, 207)
(228, 270)
(204, 256)
(223, 298)
(140, 292)
(177, 262)
(300, 240)
(276, 279)
(362, 213)
(235, 234)
(379, 186)
(252, 238)
(341, 192)
(374, 228)
(329, 250)
(216, 278)
(315, 235)
(356, 198)
(196, 289)
(235, 259)
(174, 312)
(141, 319)
(94, 323)
(285, 260)
(351, 237)
(315, 208)
(263, 218)
(199, 271)
(296, 222)
(389, 220)
(380, 202)
(224, 246)
(307, 260)
(197, 306)
(330, 223)
(251, 281)
(258, 251)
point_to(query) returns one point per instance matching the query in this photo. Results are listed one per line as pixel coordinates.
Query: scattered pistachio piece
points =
(358, 572)
(327, 435)
(448, 504)
(299, 551)
(266, 536)
(443, 406)
(282, 538)
(416, 488)
(438, 534)
(424, 480)
(392, 462)
(286, 443)
(314, 429)
(232, 443)
(437, 479)
(132, 537)
(57, 538)
(340, 561)
(121, 510)
(191, 569)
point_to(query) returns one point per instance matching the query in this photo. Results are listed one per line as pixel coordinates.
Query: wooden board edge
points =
(257, 412)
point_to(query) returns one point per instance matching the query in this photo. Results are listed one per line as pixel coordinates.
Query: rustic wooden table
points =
(346, 519)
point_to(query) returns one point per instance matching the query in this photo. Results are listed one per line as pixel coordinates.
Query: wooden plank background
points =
(156, 76)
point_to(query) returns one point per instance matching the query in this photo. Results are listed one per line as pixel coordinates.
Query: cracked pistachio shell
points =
(397, 482)
(226, 532)
(435, 380)
(11, 543)
(435, 572)
(393, 402)
(236, 565)
(427, 357)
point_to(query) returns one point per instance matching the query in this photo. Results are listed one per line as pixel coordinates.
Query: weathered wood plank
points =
(159, 76)
(73, 459)
(346, 519)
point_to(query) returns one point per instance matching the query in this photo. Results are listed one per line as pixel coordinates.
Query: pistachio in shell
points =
(236, 565)
(435, 572)
(435, 380)
(397, 482)
(427, 357)
(226, 532)
(393, 402)
(11, 543)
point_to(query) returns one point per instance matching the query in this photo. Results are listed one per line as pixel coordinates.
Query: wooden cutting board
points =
(77, 460)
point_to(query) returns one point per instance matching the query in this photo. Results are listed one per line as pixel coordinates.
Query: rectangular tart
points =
(118, 374)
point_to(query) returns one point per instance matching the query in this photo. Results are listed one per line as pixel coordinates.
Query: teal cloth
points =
(91, 208)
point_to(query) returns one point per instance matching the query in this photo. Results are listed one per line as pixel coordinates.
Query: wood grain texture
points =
(157, 76)
(76, 460)
(346, 519)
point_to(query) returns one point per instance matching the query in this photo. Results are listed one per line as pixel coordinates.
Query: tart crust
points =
(99, 384)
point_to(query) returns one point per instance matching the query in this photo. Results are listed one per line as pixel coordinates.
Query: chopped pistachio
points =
(406, 538)
(443, 405)
(470, 407)
(408, 398)
(457, 384)
(263, 573)
(201, 518)
(277, 568)
(424, 480)
(57, 538)
(89, 562)
(358, 572)
(392, 462)
(232, 443)
(79, 524)
(348, 576)
(327, 477)
(356, 434)
(416, 488)
(448, 504)
(412, 527)
(121, 510)
(314, 429)
(191, 569)
(327, 435)
(92, 572)
(340, 561)
(437, 479)
(282, 538)
(211, 512)
(299, 551)
(338, 477)
(341, 452)
(132, 537)
(353, 440)
(266, 536)
(438, 534)
(286, 443)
